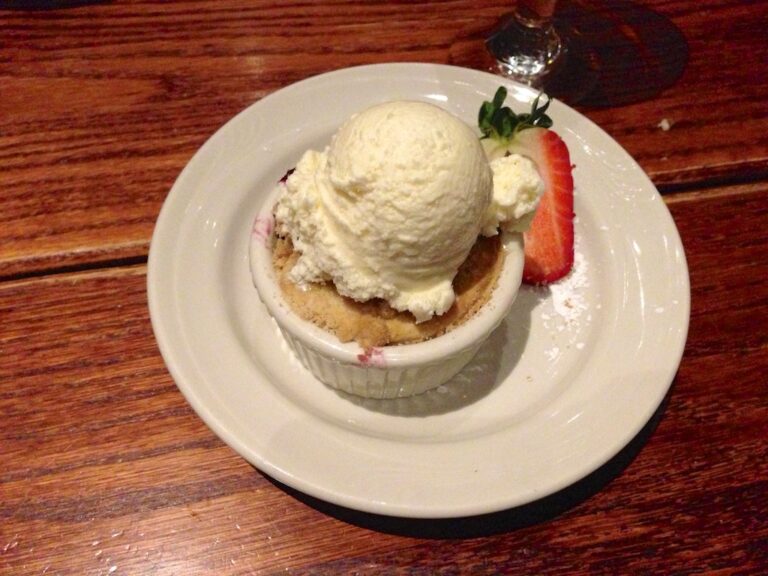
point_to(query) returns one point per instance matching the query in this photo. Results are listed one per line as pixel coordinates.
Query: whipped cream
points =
(517, 189)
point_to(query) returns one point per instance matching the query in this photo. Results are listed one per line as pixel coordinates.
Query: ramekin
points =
(389, 371)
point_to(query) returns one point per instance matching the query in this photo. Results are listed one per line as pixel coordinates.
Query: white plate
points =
(567, 381)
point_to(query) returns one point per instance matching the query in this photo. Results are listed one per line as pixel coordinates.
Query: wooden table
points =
(105, 469)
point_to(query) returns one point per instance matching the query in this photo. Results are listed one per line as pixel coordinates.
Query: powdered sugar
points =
(565, 310)
(568, 298)
(567, 302)
(552, 353)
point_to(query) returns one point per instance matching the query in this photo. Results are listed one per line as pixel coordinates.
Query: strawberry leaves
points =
(501, 123)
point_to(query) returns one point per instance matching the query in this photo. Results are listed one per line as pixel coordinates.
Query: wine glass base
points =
(524, 52)
(525, 69)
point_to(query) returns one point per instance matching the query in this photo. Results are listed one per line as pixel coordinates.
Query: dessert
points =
(390, 256)
(392, 208)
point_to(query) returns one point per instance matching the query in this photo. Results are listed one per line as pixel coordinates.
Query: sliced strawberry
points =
(549, 240)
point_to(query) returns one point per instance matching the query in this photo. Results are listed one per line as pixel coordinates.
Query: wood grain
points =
(106, 470)
(101, 106)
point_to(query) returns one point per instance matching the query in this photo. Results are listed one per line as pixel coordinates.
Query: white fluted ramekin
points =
(387, 371)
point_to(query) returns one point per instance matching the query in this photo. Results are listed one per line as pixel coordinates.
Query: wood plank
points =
(105, 467)
(103, 105)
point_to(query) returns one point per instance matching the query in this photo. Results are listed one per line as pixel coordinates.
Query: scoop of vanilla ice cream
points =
(517, 189)
(391, 208)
